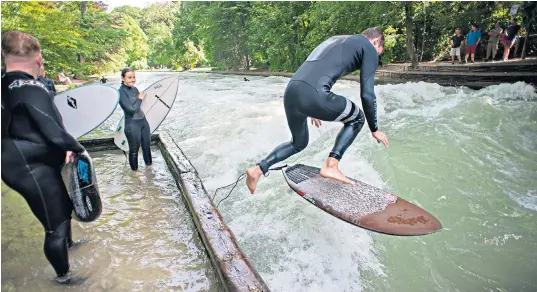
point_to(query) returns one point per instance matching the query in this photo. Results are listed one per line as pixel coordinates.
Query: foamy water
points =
(469, 157)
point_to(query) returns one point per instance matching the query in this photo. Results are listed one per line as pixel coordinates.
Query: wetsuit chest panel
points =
(133, 101)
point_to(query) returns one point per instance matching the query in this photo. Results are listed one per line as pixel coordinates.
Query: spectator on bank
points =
(494, 38)
(509, 38)
(62, 78)
(455, 43)
(472, 41)
(49, 84)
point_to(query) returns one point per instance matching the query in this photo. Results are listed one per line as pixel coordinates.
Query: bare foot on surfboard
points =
(252, 176)
(331, 170)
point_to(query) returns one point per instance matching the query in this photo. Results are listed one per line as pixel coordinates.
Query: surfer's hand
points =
(316, 122)
(69, 157)
(142, 95)
(380, 137)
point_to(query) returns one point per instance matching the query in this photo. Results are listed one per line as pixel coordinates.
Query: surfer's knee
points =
(60, 232)
(299, 146)
(358, 121)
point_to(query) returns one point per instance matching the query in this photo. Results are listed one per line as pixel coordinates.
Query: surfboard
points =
(81, 183)
(360, 204)
(156, 106)
(85, 108)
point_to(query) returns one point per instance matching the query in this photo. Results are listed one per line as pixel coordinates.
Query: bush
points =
(139, 65)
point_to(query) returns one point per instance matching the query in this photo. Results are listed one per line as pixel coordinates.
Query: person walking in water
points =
(35, 145)
(136, 126)
(308, 94)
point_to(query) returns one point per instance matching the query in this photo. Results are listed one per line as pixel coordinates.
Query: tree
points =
(409, 27)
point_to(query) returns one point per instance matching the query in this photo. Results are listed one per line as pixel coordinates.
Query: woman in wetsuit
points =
(35, 146)
(136, 126)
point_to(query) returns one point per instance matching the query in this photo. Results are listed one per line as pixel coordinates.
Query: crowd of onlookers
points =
(507, 37)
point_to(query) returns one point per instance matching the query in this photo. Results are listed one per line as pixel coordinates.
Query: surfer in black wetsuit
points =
(309, 94)
(35, 146)
(136, 126)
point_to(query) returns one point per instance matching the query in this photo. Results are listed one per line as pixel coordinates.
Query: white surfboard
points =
(85, 108)
(156, 106)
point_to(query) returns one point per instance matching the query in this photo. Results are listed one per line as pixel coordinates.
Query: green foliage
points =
(82, 37)
(139, 65)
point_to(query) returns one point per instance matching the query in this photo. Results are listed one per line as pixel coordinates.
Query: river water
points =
(144, 240)
(467, 156)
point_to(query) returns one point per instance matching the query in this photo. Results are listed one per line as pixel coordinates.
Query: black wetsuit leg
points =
(42, 187)
(301, 101)
(133, 132)
(146, 143)
(138, 134)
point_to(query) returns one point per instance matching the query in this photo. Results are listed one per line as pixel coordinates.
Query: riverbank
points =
(75, 83)
(265, 73)
(475, 76)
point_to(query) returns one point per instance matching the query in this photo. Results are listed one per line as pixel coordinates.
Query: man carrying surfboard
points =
(308, 94)
(35, 145)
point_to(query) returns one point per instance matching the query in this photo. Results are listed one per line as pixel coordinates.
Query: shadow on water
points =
(144, 240)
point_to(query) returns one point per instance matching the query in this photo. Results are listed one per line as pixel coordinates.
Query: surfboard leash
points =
(237, 181)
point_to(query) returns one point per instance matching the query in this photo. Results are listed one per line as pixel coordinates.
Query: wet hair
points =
(19, 44)
(373, 33)
(125, 71)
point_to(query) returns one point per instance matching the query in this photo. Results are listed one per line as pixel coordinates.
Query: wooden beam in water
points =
(232, 266)
(107, 144)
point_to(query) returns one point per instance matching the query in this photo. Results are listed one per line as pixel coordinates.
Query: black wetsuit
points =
(309, 94)
(136, 126)
(49, 84)
(34, 144)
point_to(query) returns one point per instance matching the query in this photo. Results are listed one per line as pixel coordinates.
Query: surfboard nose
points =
(402, 218)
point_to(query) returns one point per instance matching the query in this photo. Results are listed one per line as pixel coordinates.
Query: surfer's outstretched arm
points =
(42, 112)
(367, 90)
(369, 99)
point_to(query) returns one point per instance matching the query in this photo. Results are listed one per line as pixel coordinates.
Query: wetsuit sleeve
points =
(367, 90)
(42, 112)
(126, 105)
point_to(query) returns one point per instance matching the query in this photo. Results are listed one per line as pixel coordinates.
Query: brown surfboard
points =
(360, 204)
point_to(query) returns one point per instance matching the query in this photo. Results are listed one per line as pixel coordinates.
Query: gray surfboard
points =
(85, 108)
(360, 204)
